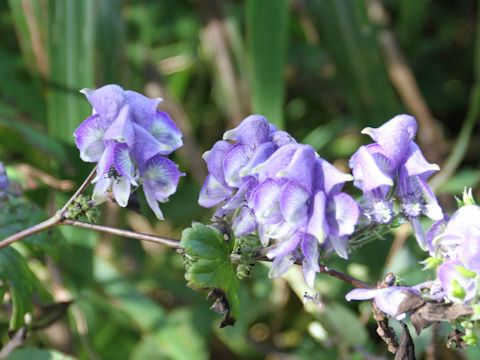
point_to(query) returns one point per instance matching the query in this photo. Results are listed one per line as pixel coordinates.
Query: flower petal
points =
(166, 132)
(146, 146)
(89, 138)
(328, 177)
(293, 202)
(317, 225)
(105, 162)
(394, 136)
(235, 159)
(153, 203)
(143, 108)
(123, 162)
(252, 131)
(107, 100)
(366, 172)
(214, 159)
(264, 200)
(213, 192)
(121, 129)
(281, 138)
(286, 246)
(244, 222)
(342, 214)
(310, 250)
(121, 190)
(280, 265)
(160, 177)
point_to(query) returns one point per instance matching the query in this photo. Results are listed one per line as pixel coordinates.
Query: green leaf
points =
(209, 266)
(38, 354)
(17, 276)
(359, 70)
(267, 23)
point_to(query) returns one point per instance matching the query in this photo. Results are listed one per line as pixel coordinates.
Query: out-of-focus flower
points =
(123, 135)
(3, 178)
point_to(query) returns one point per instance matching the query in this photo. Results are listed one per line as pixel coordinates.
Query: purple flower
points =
(395, 159)
(231, 180)
(299, 204)
(3, 178)
(124, 135)
(388, 300)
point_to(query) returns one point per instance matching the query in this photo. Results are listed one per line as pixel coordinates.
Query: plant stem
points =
(79, 191)
(53, 221)
(173, 243)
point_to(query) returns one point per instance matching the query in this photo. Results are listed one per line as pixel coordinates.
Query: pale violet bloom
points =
(123, 135)
(395, 162)
(230, 162)
(388, 300)
(298, 203)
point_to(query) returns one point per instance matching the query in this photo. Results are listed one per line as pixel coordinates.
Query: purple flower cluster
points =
(394, 168)
(284, 191)
(128, 137)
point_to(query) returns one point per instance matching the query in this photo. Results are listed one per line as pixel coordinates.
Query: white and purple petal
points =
(166, 132)
(244, 222)
(89, 138)
(235, 159)
(293, 203)
(214, 159)
(342, 214)
(160, 176)
(123, 162)
(121, 129)
(213, 193)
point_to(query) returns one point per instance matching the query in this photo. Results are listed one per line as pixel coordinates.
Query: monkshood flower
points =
(299, 204)
(230, 180)
(388, 300)
(127, 137)
(395, 165)
(3, 179)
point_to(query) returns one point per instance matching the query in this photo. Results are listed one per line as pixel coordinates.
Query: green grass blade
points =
(267, 22)
(71, 66)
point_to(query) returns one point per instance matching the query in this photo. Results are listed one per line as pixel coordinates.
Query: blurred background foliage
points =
(320, 69)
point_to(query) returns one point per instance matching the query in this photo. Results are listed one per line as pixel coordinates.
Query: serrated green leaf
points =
(208, 263)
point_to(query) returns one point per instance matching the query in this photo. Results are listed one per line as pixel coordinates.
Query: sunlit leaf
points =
(209, 266)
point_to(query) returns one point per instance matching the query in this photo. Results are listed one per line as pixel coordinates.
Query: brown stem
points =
(53, 221)
(80, 190)
(173, 243)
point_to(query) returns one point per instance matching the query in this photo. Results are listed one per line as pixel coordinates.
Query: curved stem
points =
(79, 191)
(53, 221)
(173, 243)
